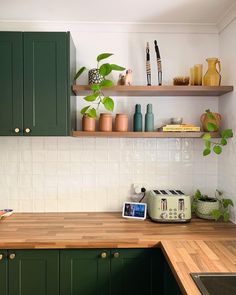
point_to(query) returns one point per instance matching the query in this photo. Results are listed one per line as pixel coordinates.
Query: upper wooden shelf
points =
(158, 90)
(131, 134)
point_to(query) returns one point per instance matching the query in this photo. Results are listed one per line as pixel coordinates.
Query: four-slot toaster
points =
(169, 206)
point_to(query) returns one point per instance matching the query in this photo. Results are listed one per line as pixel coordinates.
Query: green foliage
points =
(224, 204)
(97, 97)
(215, 146)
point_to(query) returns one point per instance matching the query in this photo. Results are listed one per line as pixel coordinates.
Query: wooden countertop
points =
(198, 246)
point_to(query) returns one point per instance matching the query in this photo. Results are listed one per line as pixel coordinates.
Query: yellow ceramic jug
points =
(212, 76)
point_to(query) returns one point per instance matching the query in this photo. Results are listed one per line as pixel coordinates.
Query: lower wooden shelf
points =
(131, 134)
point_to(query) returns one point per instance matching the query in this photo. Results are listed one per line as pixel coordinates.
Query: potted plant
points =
(211, 123)
(211, 208)
(98, 80)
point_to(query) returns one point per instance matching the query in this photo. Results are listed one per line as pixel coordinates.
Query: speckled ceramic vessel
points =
(205, 208)
(94, 76)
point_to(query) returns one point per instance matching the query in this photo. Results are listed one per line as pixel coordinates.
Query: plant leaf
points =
(216, 214)
(197, 194)
(108, 103)
(206, 136)
(223, 141)
(217, 149)
(84, 110)
(210, 116)
(92, 97)
(227, 133)
(211, 127)
(226, 216)
(80, 72)
(95, 87)
(92, 113)
(106, 83)
(207, 144)
(117, 68)
(206, 152)
(103, 56)
(105, 69)
(227, 202)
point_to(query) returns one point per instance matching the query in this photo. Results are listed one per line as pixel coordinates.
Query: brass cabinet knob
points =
(12, 256)
(1, 256)
(103, 255)
(17, 130)
(27, 130)
(116, 255)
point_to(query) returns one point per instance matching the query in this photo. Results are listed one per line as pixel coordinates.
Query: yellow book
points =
(195, 128)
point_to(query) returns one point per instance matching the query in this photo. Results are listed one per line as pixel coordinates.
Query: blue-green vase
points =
(138, 119)
(149, 119)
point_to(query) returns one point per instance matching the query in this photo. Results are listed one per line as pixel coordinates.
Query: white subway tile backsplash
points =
(45, 174)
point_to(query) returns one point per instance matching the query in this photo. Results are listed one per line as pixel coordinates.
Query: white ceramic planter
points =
(204, 208)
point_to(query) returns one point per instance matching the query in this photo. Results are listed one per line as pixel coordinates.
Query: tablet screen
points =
(134, 210)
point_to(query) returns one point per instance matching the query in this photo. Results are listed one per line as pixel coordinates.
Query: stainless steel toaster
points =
(169, 206)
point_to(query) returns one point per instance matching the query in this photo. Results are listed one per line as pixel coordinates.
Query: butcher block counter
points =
(198, 246)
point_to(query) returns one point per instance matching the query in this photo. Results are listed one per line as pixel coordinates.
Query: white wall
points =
(227, 107)
(72, 174)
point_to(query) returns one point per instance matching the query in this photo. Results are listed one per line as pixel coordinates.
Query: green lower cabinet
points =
(3, 272)
(33, 272)
(84, 272)
(171, 287)
(136, 272)
(111, 272)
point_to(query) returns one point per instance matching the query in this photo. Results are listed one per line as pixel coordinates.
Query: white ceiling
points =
(140, 11)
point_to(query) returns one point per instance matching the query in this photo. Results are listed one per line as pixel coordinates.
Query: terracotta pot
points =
(121, 122)
(205, 120)
(88, 124)
(105, 122)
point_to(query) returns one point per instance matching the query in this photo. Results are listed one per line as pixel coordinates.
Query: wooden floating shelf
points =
(83, 90)
(143, 134)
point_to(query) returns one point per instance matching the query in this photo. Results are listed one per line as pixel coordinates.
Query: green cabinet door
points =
(3, 272)
(136, 272)
(171, 287)
(84, 272)
(46, 83)
(11, 83)
(34, 272)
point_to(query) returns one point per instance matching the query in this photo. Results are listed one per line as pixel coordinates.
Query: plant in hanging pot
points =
(211, 123)
(98, 81)
(216, 208)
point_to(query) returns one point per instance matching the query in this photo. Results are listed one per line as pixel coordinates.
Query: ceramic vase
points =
(121, 122)
(212, 76)
(105, 122)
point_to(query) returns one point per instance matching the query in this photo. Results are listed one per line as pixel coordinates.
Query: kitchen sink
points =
(215, 283)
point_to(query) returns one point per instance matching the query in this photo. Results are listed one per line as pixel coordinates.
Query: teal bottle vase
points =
(149, 119)
(138, 119)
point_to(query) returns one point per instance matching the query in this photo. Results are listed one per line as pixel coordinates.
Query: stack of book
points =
(181, 128)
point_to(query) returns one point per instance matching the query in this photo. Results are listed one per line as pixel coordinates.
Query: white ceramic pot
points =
(204, 208)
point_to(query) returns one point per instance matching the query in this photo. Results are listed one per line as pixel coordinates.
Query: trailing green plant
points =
(215, 145)
(97, 97)
(224, 204)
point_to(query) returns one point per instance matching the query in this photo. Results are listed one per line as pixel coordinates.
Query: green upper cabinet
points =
(36, 97)
(11, 82)
(3, 272)
(33, 272)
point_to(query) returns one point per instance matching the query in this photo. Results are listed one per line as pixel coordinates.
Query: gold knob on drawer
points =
(116, 255)
(103, 255)
(17, 130)
(1, 256)
(27, 130)
(12, 256)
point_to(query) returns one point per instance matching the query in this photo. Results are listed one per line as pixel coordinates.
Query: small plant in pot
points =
(211, 123)
(216, 208)
(98, 81)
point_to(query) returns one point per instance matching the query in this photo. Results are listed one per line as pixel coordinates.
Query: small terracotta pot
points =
(105, 122)
(88, 124)
(121, 122)
(205, 120)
